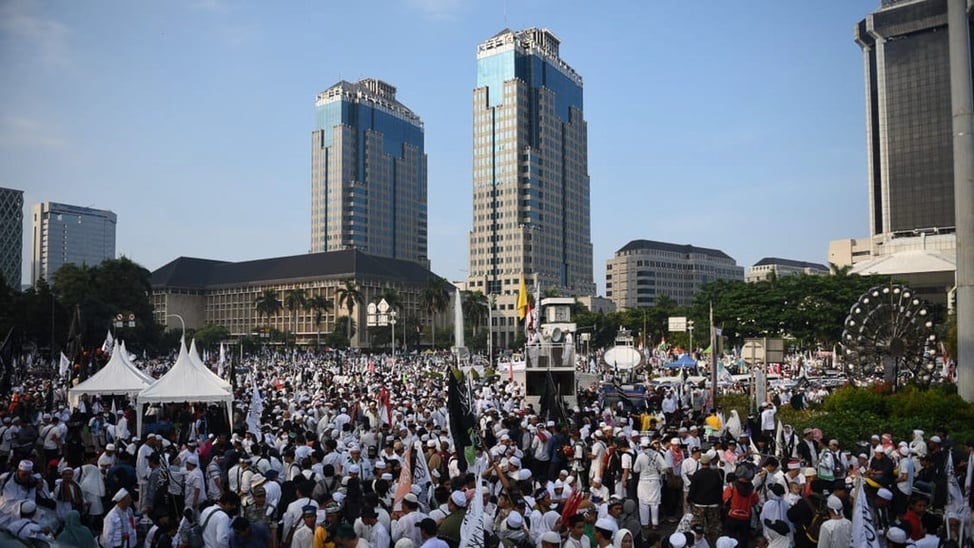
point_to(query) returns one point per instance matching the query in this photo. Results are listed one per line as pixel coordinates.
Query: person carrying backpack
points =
(739, 500)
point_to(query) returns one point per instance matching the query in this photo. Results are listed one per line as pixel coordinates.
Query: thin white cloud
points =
(437, 9)
(32, 36)
(23, 131)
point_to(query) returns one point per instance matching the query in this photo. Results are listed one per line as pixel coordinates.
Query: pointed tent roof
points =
(185, 382)
(115, 379)
(194, 356)
(125, 358)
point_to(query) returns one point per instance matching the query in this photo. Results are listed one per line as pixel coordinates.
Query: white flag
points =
(421, 473)
(956, 502)
(64, 365)
(109, 343)
(863, 529)
(221, 362)
(253, 415)
(472, 526)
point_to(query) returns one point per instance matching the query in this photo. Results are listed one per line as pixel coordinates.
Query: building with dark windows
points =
(11, 236)
(782, 267)
(368, 173)
(66, 234)
(908, 120)
(207, 292)
(910, 145)
(531, 196)
(644, 270)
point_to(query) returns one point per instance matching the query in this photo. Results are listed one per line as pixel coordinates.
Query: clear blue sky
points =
(732, 125)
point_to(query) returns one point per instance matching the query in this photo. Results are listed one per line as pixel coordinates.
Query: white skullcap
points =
(121, 494)
(678, 540)
(459, 499)
(28, 507)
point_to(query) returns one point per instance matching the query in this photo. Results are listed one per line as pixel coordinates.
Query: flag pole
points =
(713, 359)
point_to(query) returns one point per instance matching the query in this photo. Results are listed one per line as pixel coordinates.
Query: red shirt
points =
(913, 520)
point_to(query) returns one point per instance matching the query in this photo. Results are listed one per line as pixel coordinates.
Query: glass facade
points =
(531, 190)
(369, 187)
(908, 118)
(11, 236)
(66, 234)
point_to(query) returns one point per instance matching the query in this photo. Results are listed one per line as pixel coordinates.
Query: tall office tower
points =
(66, 234)
(368, 173)
(11, 236)
(531, 203)
(908, 117)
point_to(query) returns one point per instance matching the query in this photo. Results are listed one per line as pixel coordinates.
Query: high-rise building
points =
(908, 120)
(531, 203)
(910, 152)
(644, 270)
(368, 173)
(66, 234)
(11, 236)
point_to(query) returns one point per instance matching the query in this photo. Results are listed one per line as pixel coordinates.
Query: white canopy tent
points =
(127, 358)
(117, 378)
(185, 382)
(194, 355)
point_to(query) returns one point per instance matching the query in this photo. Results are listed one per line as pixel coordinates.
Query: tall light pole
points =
(962, 109)
(181, 322)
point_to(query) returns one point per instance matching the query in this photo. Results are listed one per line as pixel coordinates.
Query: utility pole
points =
(962, 108)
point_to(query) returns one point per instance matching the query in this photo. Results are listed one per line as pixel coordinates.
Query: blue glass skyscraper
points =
(531, 184)
(531, 202)
(368, 173)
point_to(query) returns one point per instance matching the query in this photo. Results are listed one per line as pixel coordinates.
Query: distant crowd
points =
(355, 451)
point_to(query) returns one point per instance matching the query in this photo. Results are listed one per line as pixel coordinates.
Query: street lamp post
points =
(181, 322)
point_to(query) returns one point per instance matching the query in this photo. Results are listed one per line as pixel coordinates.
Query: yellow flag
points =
(522, 299)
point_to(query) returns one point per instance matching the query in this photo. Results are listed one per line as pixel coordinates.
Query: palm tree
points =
(435, 298)
(320, 305)
(268, 304)
(294, 300)
(476, 308)
(348, 296)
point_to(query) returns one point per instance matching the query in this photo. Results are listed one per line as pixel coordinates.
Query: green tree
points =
(268, 304)
(435, 298)
(211, 335)
(116, 286)
(320, 305)
(348, 297)
(476, 308)
(295, 300)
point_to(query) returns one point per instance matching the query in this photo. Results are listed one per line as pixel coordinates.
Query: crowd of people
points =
(354, 451)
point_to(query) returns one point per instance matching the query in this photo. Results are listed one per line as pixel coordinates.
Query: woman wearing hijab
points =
(630, 517)
(774, 518)
(74, 534)
(624, 539)
(734, 427)
(549, 522)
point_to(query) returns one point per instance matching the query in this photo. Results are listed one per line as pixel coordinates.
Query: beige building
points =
(206, 292)
(849, 251)
(644, 270)
(782, 267)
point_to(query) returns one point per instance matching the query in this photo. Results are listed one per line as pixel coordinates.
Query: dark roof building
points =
(782, 267)
(644, 270)
(209, 292)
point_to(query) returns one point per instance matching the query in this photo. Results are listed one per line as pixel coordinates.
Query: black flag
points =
(461, 418)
